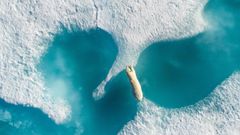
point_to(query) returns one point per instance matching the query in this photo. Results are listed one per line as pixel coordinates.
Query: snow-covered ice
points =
(218, 114)
(136, 24)
(27, 26)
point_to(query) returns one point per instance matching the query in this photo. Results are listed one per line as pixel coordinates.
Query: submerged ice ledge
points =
(30, 25)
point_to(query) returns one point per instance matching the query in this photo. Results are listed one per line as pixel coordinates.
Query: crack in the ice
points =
(96, 12)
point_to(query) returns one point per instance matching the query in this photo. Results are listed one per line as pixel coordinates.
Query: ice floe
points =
(218, 114)
(27, 26)
(136, 24)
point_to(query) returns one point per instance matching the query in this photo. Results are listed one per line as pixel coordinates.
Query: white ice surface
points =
(218, 114)
(135, 24)
(27, 26)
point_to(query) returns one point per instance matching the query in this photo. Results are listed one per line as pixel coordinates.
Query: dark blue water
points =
(172, 73)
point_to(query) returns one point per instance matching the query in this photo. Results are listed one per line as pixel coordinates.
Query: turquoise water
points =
(73, 66)
(182, 72)
(172, 73)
